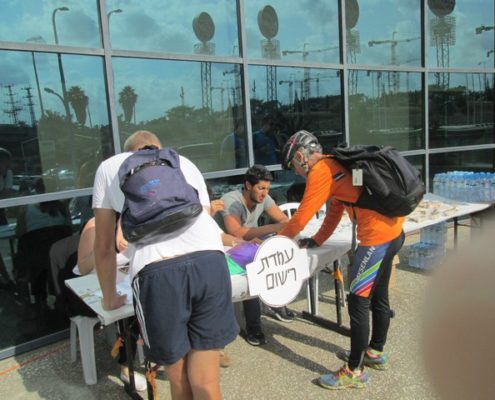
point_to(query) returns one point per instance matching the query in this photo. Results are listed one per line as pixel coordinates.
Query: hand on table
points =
(307, 243)
(112, 303)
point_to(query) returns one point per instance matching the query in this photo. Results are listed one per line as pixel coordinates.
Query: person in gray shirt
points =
(242, 210)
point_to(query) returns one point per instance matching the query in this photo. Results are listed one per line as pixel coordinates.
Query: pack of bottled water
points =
(431, 248)
(468, 186)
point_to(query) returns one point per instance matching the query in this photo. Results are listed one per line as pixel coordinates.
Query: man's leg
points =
(203, 371)
(359, 316)
(380, 308)
(252, 312)
(180, 387)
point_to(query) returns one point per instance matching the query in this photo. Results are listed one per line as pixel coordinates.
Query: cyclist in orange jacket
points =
(380, 238)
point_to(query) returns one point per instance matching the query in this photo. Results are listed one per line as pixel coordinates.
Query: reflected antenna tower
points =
(270, 47)
(204, 29)
(442, 36)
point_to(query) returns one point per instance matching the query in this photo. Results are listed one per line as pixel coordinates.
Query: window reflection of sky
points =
(155, 25)
(23, 19)
(159, 85)
(83, 71)
(309, 25)
(313, 22)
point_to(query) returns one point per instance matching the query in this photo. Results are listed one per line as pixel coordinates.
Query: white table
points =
(88, 288)
(462, 209)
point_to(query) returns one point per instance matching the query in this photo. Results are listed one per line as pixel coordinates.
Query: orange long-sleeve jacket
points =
(329, 180)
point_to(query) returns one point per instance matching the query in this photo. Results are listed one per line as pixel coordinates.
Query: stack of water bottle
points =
(472, 187)
(430, 250)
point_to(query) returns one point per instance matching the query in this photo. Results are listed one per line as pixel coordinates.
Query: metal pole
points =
(60, 66)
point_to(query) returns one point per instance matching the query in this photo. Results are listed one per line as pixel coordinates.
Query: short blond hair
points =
(140, 139)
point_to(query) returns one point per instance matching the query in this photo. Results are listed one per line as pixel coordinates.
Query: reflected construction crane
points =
(394, 86)
(305, 52)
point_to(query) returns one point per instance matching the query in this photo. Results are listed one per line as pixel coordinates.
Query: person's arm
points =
(318, 190)
(230, 240)
(85, 249)
(276, 214)
(332, 219)
(105, 258)
(234, 227)
(121, 243)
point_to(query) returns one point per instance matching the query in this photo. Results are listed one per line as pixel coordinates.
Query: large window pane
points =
(460, 33)
(386, 108)
(302, 31)
(387, 32)
(35, 305)
(285, 100)
(65, 22)
(194, 107)
(461, 109)
(201, 27)
(56, 131)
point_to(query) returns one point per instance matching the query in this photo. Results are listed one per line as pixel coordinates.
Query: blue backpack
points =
(158, 199)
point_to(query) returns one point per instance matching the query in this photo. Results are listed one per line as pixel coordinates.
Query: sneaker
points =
(372, 358)
(225, 360)
(256, 338)
(344, 378)
(282, 314)
(139, 381)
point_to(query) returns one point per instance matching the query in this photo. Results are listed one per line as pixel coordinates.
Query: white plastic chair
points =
(289, 208)
(84, 326)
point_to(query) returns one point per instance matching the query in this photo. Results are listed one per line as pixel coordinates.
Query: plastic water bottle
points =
(436, 184)
(413, 256)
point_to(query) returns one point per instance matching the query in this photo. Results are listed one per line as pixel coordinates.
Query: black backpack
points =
(158, 199)
(391, 185)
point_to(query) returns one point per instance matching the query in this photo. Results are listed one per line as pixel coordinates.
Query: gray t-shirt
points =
(235, 205)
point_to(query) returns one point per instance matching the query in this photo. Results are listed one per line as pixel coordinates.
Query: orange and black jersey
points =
(329, 180)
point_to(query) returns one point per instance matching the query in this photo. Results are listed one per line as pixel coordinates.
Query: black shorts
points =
(184, 303)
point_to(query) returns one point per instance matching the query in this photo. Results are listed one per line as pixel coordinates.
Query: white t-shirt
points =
(203, 234)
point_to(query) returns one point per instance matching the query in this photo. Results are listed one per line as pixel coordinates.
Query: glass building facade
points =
(224, 82)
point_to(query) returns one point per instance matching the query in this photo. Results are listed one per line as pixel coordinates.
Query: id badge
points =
(357, 177)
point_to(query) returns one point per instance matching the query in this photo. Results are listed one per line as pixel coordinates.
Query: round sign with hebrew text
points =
(278, 271)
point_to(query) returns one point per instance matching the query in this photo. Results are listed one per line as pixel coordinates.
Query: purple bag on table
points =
(243, 253)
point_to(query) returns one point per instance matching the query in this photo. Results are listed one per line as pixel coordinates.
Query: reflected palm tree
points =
(79, 102)
(128, 99)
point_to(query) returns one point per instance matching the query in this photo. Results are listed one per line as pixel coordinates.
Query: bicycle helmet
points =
(300, 139)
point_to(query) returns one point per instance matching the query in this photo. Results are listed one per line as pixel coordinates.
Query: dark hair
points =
(257, 173)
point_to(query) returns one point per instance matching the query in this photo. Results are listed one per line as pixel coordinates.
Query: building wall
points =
(225, 83)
